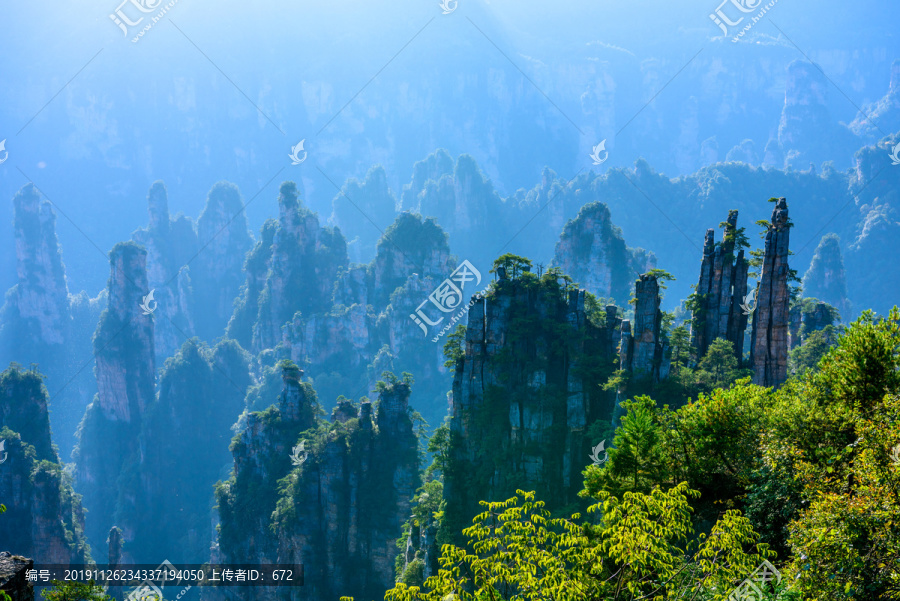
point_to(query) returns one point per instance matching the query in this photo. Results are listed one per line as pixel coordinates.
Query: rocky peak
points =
(158, 207)
(41, 295)
(343, 411)
(294, 402)
(432, 168)
(42, 323)
(339, 512)
(224, 239)
(720, 292)
(807, 133)
(302, 268)
(288, 203)
(127, 281)
(771, 318)
(392, 417)
(126, 376)
(168, 244)
(592, 251)
(526, 389)
(826, 278)
(44, 517)
(642, 349)
(362, 210)
(24, 409)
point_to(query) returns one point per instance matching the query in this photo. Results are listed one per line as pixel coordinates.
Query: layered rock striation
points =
(345, 493)
(770, 337)
(125, 371)
(641, 348)
(526, 391)
(41, 322)
(720, 297)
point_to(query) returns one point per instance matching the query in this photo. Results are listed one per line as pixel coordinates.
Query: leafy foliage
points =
(75, 591)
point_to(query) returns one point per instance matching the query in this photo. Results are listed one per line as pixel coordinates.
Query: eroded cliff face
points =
(44, 518)
(304, 262)
(165, 492)
(872, 273)
(526, 392)
(883, 115)
(362, 210)
(41, 322)
(807, 134)
(592, 251)
(169, 243)
(346, 494)
(125, 371)
(41, 296)
(371, 311)
(720, 293)
(770, 337)
(195, 270)
(826, 278)
(641, 348)
(223, 239)
(810, 315)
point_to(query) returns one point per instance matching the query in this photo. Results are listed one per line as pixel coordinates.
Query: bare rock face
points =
(13, 576)
(721, 292)
(344, 496)
(44, 518)
(166, 490)
(41, 322)
(370, 317)
(524, 394)
(362, 210)
(304, 262)
(807, 134)
(126, 371)
(223, 239)
(169, 244)
(592, 251)
(770, 336)
(885, 113)
(246, 309)
(641, 349)
(41, 295)
(826, 278)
